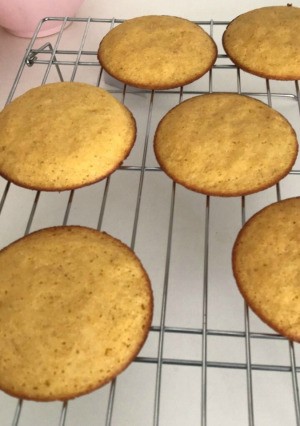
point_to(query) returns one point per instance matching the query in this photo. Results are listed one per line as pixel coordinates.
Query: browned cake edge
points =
(281, 331)
(182, 82)
(271, 76)
(72, 187)
(226, 193)
(87, 183)
(112, 376)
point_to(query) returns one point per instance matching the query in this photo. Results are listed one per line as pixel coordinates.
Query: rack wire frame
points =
(47, 55)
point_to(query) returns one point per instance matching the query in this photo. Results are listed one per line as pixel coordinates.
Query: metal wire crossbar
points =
(54, 60)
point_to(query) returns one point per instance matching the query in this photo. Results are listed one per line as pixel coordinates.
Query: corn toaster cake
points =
(266, 42)
(225, 144)
(157, 52)
(75, 309)
(63, 136)
(266, 266)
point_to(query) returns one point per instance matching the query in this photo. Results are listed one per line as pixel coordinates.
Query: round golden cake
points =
(63, 136)
(157, 52)
(225, 144)
(266, 42)
(75, 309)
(266, 266)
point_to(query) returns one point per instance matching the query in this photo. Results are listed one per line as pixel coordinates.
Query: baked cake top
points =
(157, 52)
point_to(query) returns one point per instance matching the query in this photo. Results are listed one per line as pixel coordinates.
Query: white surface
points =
(180, 401)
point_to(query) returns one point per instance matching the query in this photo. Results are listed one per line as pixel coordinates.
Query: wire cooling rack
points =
(208, 359)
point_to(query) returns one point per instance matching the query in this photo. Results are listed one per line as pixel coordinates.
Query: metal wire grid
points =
(47, 55)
